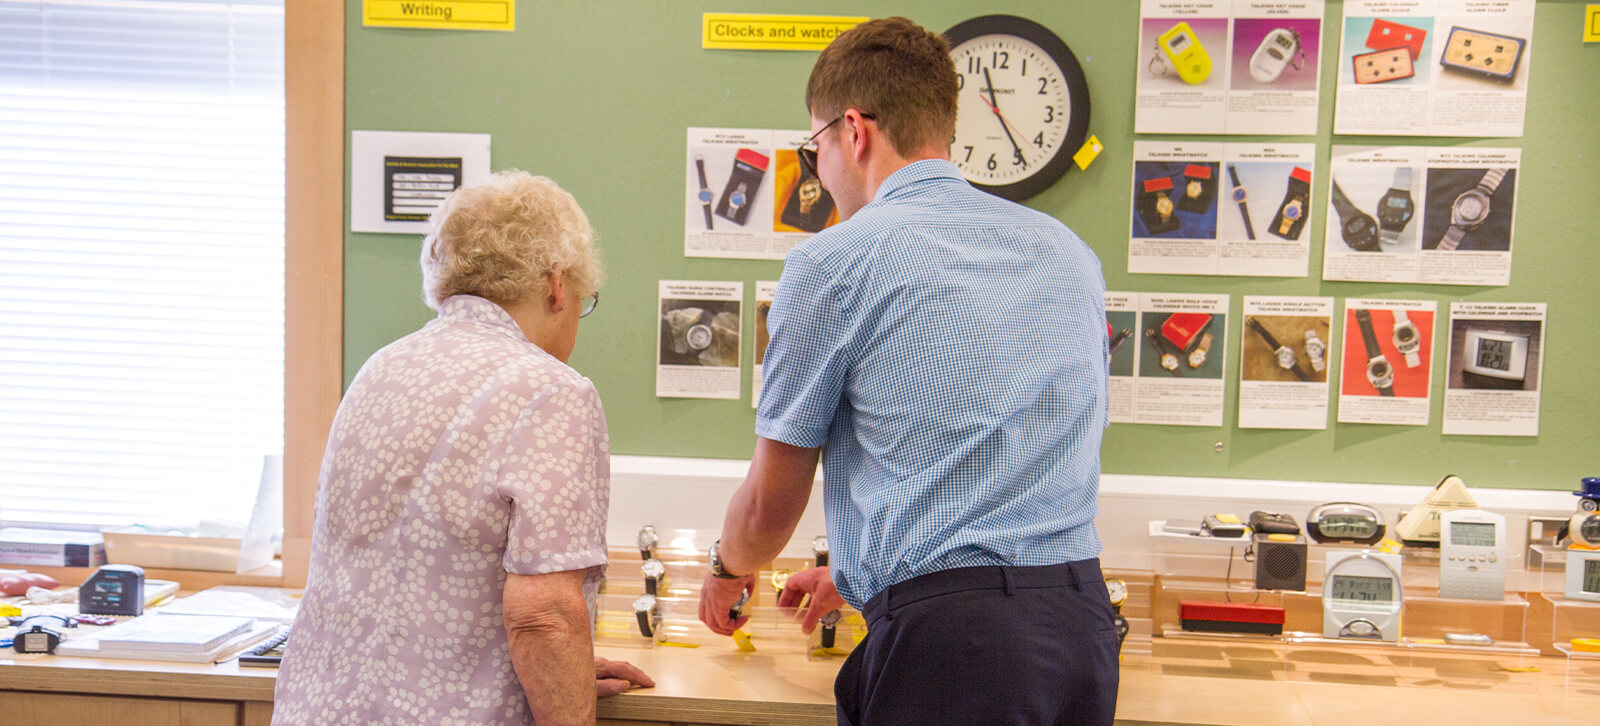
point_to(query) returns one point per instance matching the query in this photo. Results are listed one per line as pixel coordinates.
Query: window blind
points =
(141, 259)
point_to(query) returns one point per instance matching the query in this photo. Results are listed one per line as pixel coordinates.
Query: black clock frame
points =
(1077, 96)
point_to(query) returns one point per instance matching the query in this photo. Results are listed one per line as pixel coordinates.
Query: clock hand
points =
(1003, 119)
(994, 105)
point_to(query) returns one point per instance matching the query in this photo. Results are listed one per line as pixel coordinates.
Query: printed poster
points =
(1438, 215)
(747, 195)
(1434, 67)
(1283, 362)
(1386, 372)
(397, 178)
(697, 351)
(1212, 208)
(1166, 357)
(1496, 358)
(1229, 67)
(764, 292)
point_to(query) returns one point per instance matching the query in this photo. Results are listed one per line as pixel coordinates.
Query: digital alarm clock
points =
(1495, 354)
(1584, 529)
(1362, 596)
(1583, 575)
(1345, 522)
(1472, 555)
(113, 590)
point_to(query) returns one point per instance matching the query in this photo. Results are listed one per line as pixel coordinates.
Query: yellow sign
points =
(441, 14)
(736, 31)
(1591, 24)
(1088, 152)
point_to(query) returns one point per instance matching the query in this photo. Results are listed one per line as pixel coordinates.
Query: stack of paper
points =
(182, 638)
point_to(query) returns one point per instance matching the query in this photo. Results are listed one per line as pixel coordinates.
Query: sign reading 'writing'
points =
(441, 14)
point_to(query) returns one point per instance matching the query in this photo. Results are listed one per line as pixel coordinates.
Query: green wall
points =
(597, 95)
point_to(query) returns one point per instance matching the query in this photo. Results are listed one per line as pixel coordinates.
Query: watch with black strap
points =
(1239, 197)
(648, 539)
(1379, 372)
(1169, 359)
(1471, 208)
(705, 195)
(1285, 354)
(819, 549)
(1359, 229)
(647, 610)
(1395, 207)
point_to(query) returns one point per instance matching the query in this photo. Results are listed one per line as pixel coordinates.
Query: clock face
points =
(1023, 105)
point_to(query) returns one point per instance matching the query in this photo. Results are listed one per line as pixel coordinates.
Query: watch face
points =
(1292, 210)
(1589, 529)
(1239, 194)
(1361, 233)
(1286, 357)
(1395, 209)
(699, 337)
(1380, 373)
(1164, 206)
(705, 196)
(644, 603)
(736, 199)
(1117, 589)
(1023, 105)
(653, 568)
(1470, 209)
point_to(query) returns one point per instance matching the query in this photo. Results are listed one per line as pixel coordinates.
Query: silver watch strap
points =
(1492, 178)
(1452, 237)
(1402, 178)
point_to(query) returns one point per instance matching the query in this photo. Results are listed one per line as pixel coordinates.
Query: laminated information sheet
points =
(1228, 67)
(1166, 357)
(1496, 357)
(1221, 209)
(697, 351)
(748, 197)
(1434, 67)
(1283, 362)
(1386, 373)
(1440, 215)
(764, 292)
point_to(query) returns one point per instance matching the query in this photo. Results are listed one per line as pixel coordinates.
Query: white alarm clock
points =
(1583, 575)
(1472, 555)
(1362, 597)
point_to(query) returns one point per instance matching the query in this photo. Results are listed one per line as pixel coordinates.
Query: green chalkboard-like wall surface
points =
(598, 94)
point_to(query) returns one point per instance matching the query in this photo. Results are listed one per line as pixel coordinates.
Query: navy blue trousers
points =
(986, 645)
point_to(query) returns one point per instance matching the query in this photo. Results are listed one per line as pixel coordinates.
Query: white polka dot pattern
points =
(461, 452)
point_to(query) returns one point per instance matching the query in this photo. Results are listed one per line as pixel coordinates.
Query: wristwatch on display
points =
(1169, 360)
(647, 541)
(1315, 350)
(1197, 357)
(1406, 339)
(647, 609)
(780, 578)
(1471, 208)
(830, 627)
(714, 559)
(705, 189)
(1117, 341)
(736, 199)
(1286, 357)
(1118, 590)
(1164, 207)
(1359, 229)
(1239, 196)
(1395, 208)
(1290, 218)
(653, 570)
(819, 549)
(1379, 373)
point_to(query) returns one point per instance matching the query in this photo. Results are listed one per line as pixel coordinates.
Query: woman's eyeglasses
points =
(808, 148)
(587, 305)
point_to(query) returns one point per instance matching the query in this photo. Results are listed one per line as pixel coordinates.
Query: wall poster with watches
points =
(1496, 357)
(765, 290)
(1283, 362)
(1386, 371)
(1228, 67)
(1438, 215)
(697, 348)
(747, 196)
(1434, 68)
(1221, 209)
(1167, 360)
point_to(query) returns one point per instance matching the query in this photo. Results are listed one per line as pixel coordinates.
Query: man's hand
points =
(612, 677)
(717, 596)
(825, 598)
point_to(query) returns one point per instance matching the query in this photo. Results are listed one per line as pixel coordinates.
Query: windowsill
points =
(270, 575)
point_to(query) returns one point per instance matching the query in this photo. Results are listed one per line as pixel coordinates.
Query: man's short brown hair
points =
(896, 71)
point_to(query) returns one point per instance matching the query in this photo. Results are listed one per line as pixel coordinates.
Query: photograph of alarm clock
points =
(1474, 55)
(1364, 36)
(1469, 209)
(1182, 53)
(1495, 354)
(1276, 53)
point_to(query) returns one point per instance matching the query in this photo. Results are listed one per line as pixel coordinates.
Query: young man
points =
(949, 349)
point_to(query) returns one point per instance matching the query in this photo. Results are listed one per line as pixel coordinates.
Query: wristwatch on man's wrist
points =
(714, 559)
(1395, 207)
(1379, 372)
(1359, 229)
(1471, 208)
(1406, 339)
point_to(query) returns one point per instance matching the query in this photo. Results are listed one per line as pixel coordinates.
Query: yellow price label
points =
(440, 14)
(1591, 23)
(742, 639)
(743, 31)
(1085, 157)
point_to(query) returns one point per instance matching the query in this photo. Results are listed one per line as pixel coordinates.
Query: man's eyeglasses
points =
(808, 148)
(587, 305)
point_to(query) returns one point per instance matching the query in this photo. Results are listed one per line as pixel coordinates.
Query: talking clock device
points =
(1420, 525)
(1277, 52)
(1472, 555)
(1280, 558)
(1584, 529)
(1344, 523)
(113, 590)
(1183, 51)
(1224, 525)
(1264, 522)
(1362, 596)
(1487, 55)
(1583, 575)
(1155, 206)
(1495, 359)
(1230, 617)
(1382, 66)
(1389, 34)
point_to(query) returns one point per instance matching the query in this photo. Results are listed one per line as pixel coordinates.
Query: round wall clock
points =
(1023, 105)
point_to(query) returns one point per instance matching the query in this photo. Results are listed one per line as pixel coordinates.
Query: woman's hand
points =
(612, 677)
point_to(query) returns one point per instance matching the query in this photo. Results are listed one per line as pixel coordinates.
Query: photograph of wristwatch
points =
(1197, 357)
(1395, 207)
(1471, 209)
(1379, 371)
(705, 195)
(1239, 195)
(1291, 215)
(1407, 340)
(1169, 359)
(1359, 229)
(1316, 351)
(1286, 358)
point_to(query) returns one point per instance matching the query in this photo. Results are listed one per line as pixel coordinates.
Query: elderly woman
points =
(461, 509)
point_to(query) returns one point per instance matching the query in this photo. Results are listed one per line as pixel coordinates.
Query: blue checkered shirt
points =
(948, 348)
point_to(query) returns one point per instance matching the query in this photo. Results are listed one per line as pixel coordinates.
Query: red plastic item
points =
(1230, 617)
(752, 158)
(1386, 34)
(1183, 329)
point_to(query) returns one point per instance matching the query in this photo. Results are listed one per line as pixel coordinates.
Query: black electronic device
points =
(35, 638)
(1280, 560)
(1359, 229)
(1344, 522)
(1264, 522)
(113, 590)
(269, 654)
